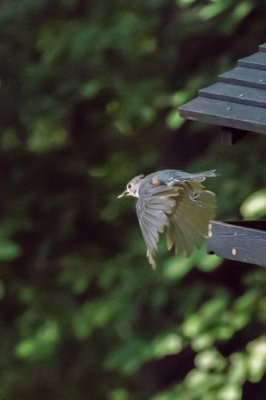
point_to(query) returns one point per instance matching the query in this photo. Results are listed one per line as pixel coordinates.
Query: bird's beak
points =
(125, 193)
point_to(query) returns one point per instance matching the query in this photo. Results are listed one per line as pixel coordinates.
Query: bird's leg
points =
(194, 195)
(195, 198)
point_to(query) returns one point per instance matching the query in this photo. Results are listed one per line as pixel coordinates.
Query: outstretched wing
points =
(182, 210)
(152, 212)
(188, 223)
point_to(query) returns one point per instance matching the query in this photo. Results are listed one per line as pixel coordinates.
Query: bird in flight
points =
(174, 202)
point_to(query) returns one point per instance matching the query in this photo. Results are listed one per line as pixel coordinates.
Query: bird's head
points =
(132, 187)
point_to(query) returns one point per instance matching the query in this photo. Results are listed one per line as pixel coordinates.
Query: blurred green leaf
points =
(174, 120)
(204, 261)
(9, 250)
(93, 315)
(255, 205)
(41, 345)
(118, 394)
(46, 137)
(176, 268)
(210, 360)
(169, 344)
(232, 392)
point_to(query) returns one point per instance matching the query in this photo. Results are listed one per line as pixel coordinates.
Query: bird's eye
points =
(129, 186)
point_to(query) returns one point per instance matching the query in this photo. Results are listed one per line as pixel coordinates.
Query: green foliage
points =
(255, 205)
(89, 96)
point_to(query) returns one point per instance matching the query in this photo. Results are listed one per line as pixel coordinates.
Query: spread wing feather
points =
(153, 214)
(188, 223)
(182, 210)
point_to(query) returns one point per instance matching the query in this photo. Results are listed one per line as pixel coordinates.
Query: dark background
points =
(89, 95)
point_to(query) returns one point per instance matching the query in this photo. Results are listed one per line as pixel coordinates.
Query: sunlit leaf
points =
(174, 120)
(176, 268)
(170, 344)
(232, 392)
(210, 360)
(255, 205)
(41, 345)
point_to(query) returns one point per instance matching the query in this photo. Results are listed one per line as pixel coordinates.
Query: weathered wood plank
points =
(238, 243)
(256, 60)
(230, 136)
(262, 47)
(245, 76)
(235, 93)
(225, 113)
(237, 101)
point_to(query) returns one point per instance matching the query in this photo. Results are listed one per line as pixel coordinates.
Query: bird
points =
(176, 203)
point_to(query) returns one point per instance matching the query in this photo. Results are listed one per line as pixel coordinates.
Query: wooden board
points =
(257, 60)
(237, 100)
(235, 93)
(225, 113)
(235, 241)
(245, 76)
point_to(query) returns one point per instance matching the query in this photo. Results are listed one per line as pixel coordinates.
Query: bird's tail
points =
(209, 174)
(188, 223)
(201, 176)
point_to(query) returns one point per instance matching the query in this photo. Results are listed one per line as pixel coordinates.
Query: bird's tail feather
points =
(201, 176)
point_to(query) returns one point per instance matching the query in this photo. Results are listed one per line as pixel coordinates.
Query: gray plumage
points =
(174, 202)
